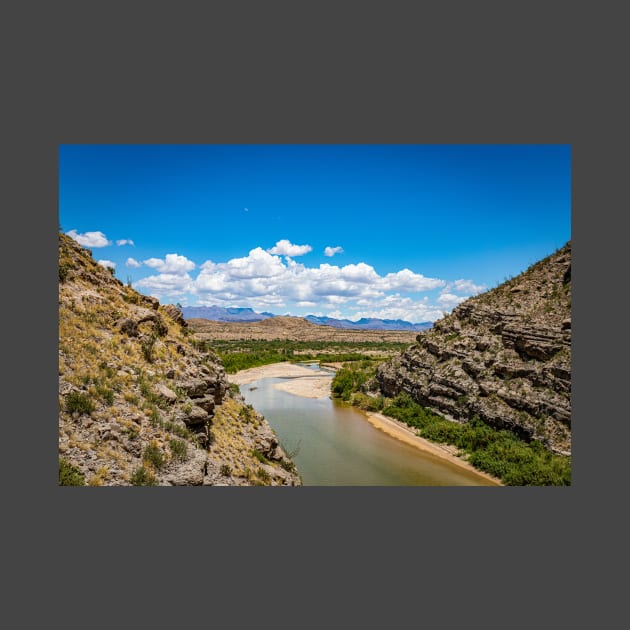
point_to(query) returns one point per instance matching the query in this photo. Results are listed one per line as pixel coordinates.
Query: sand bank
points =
(404, 433)
(274, 370)
(301, 380)
(307, 386)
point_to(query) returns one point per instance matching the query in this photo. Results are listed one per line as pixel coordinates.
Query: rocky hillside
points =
(504, 355)
(139, 404)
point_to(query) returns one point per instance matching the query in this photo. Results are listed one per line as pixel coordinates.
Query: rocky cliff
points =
(139, 403)
(504, 355)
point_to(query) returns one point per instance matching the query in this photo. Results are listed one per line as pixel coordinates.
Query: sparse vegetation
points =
(225, 470)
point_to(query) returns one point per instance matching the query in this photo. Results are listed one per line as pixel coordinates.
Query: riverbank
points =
(303, 383)
(402, 432)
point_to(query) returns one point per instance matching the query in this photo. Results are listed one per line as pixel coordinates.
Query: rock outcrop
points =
(504, 355)
(139, 403)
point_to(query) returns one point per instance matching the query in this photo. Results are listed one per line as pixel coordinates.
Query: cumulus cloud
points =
(465, 286)
(89, 239)
(167, 284)
(286, 248)
(107, 263)
(278, 283)
(331, 251)
(449, 300)
(124, 241)
(261, 277)
(132, 262)
(409, 282)
(172, 264)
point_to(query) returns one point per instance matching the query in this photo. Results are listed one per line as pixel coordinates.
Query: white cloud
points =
(449, 300)
(124, 241)
(277, 283)
(89, 239)
(172, 264)
(167, 284)
(132, 262)
(331, 251)
(409, 282)
(286, 248)
(465, 286)
(107, 263)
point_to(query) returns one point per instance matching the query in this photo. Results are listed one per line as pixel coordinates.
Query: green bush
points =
(148, 346)
(63, 272)
(348, 380)
(153, 455)
(142, 477)
(179, 449)
(263, 475)
(287, 465)
(106, 394)
(260, 457)
(70, 475)
(80, 402)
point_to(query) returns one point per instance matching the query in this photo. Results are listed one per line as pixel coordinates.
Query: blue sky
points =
(391, 231)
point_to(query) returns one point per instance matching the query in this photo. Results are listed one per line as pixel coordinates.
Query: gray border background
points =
(325, 72)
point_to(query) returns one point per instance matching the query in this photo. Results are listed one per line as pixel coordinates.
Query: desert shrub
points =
(63, 272)
(70, 475)
(287, 465)
(154, 414)
(80, 402)
(259, 456)
(179, 449)
(154, 456)
(263, 475)
(148, 346)
(106, 394)
(225, 470)
(142, 477)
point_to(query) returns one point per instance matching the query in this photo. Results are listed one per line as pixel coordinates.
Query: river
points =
(334, 444)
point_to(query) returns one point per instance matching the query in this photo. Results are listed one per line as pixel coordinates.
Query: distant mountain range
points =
(234, 314)
(220, 314)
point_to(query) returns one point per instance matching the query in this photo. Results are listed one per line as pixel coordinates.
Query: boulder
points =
(165, 393)
(196, 415)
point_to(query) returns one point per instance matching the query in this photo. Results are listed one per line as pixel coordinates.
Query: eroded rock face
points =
(175, 313)
(504, 355)
(138, 402)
